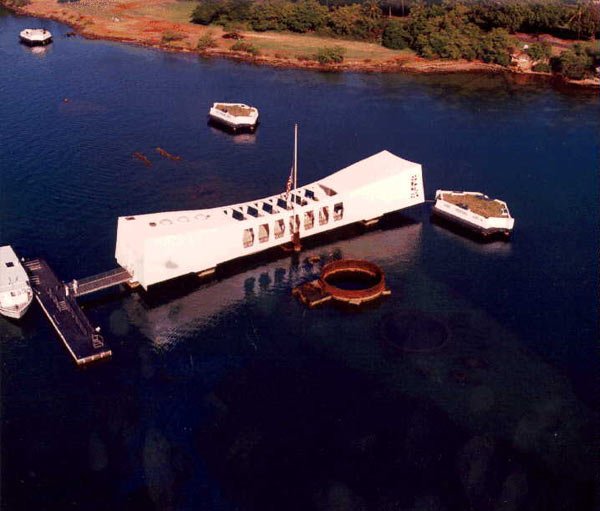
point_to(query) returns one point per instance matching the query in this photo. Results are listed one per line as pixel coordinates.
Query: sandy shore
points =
(152, 23)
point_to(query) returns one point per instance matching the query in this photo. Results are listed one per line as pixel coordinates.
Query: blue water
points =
(230, 395)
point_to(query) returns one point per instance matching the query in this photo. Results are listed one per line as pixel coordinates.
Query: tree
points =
(549, 16)
(343, 20)
(270, 15)
(509, 14)
(495, 47)
(372, 10)
(539, 51)
(445, 32)
(306, 15)
(208, 11)
(417, 22)
(371, 19)
(236, 11)
(396, 35)
(574, 63)
(585, 21)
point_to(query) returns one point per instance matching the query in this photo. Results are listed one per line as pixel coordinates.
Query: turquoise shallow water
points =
(229, 395)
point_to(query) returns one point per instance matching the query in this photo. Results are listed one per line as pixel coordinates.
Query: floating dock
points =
(58, 302)
(474, 211)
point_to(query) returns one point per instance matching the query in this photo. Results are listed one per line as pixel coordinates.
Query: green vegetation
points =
(208, 11)
(445, 31)
(396, 35)
(539, 51)
(170, 36)
(302, 16)
(357, 21)
(246, 47)
(331, 55)
(495, 47)
(575, 63)
(542, 67)
(448, 29)
(363, 19)
(206, 41)
(574, 19)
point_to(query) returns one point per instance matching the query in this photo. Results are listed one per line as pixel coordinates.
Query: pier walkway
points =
(84, 343)
(100, 281)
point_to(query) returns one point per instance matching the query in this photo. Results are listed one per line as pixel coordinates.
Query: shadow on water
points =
(498, 86)
(162, 294)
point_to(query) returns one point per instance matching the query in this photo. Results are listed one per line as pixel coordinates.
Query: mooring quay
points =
(58, 301)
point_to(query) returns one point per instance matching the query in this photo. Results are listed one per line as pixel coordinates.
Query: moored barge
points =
(35, 36)
(474, 211)
(234, 116)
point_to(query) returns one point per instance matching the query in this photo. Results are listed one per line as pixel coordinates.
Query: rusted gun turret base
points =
(320, 291)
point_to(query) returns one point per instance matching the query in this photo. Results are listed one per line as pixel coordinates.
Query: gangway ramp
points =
(98, 282)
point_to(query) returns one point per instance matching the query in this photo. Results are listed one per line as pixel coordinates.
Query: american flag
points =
(288, 185)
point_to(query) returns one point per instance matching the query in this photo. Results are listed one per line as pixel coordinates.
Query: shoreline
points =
(408, 64)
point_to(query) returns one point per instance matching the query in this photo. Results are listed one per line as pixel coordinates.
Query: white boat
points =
(36, 36)
(235, 116)
(160, 246)
(15, 291)
(475, 211)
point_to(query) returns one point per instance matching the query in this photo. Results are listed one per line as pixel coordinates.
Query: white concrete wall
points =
(159, 253)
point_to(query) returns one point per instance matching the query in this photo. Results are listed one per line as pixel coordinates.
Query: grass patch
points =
(305, 58)
(331, 55)
(177, 12)
(169, 36)
(206, 41)
(296, 45)
(246, 47)
(542, 67)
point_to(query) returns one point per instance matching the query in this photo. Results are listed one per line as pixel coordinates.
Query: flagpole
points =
(296, 234)
(295, 156)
